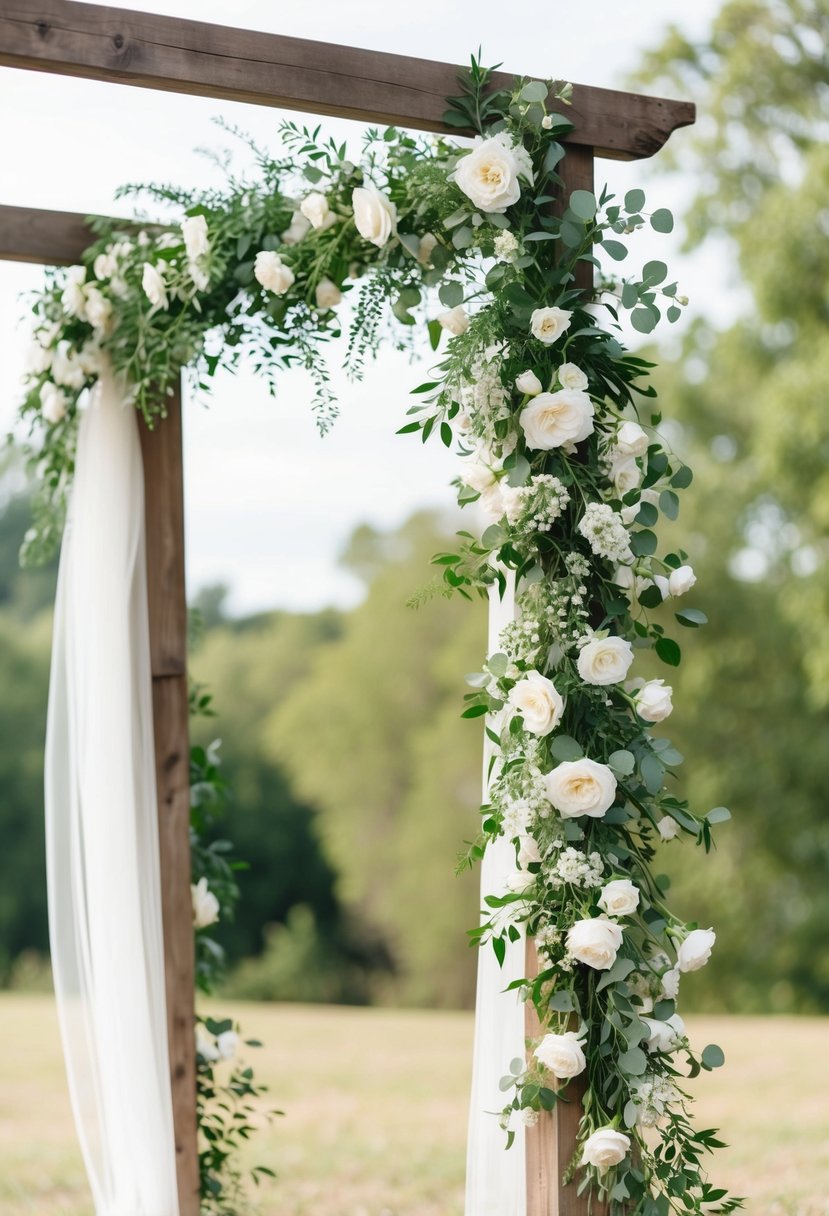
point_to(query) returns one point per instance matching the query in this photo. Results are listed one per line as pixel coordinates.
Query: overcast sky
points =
(269, 503)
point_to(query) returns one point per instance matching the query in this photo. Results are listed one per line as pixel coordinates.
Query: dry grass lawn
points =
(375, 1105)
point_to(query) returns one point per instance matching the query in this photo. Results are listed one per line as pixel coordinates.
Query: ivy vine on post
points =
(555, 423)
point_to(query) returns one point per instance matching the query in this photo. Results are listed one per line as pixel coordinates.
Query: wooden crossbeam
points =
(207, 60)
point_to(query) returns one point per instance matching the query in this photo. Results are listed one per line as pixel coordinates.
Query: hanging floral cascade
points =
(554, 421)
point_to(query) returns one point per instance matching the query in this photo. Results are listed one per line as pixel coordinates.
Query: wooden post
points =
(164, 512)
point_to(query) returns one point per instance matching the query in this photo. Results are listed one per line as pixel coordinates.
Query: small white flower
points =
(619, 897)
(529, 384)
(327, 294)
(206, 1047)
(670, 984)
(664, 1036)
(605, 1148)
(226, 1044)
(553, 420)
(67, 369)
(562, 1054)
(547, 122)
(205, 904)
(200, 277)
(695, 951)
(53, 403)
(316, 209)
(605, 660)
(375, 215)
(654, 701)
(505, 246)
(570, 376)
(98, 309)
(296, 231)
(631, 440)
(667, 827)
(489, 174)
(272, 273)
(581, 787)
(681, 580)
(625, 475)
(548, 324)
(456, 320)
(594, 942)
(155, 289)
(538, 701)
(73, 297)
(194, 231)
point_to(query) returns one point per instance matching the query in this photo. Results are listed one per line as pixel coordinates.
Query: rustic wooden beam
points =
(203, 59)
(52, 238)
(164, 513)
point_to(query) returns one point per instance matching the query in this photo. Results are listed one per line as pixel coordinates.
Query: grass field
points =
(375, 1105)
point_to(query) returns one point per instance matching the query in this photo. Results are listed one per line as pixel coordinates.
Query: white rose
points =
(374, 214)
(206, 1047)
(653, 701)
(519, 881)
(529, 384)
(512, 498)
(154, 286)
(478, 471)
(316, 210)
(205, 904)
(581, 787)
(456, 320)
(667, 827)
(194, 231)
(528, 851)
(631, 440)
(594, 942)
(98, 309)
(272, 273)
(625, 475)
(662, 583)
(426, 248)
(548, 324)
(53, 402)
(605, 1148)
(551, 420)
(67, 369)
(90, 358)
(296, 231)
(562, 1055)
(489, 174)
(327, 294)
(226, 1043)
(538, 701)
(106, 263)
(570, 376)
(619, 897)
(605, 660)
(670, 984)
(73, 297)
(695, 951)
(664, 1036)
(681, 580)
(38, 359)
(200, 277)
(491, 502)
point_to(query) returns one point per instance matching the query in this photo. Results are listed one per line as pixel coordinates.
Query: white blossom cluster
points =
(607, 536)
(576, 868)
(653, 1096)
(484, 402)
(536, 506)
(522, 640)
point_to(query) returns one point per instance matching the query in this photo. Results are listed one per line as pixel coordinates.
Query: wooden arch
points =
(182, 56)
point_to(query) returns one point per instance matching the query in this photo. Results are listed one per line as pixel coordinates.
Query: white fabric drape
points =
(102, 831)
(495, 1178)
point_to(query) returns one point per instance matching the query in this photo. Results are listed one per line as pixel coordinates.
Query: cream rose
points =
(581, 787)
(67, 368)
(296, 231)
(594, 942)
(374, 214)
(478, 471)
(562, 1054)
(327, 294)
(519, 881)
(625, 475)
(155, 289)
(194, 232)
(695, 951)
(73, 297)
(570, 376)
(619, 897)
(53, 403)
(548, 324)
(654, 701)
(551, 420)
(529, 384)
(667, 827)
(528, 851)
(316, 209)
(605, 660)
(456, 321)
(538, 701)
(489, 174)
(681, 580)
(664, 1036)
(98, 309)
(670, 984)
(426, 248)
(272, 273)
(205, 904)
(605, 1148)
(631, 440)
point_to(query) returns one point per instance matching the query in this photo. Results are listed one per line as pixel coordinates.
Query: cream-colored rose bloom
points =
(98, 309)
(489, 174)
(695, 951)
(479, 470)
(67, 369)
(155, 289)
(426, 248)
(665, 1036)
(37, 360)
(327, 294)
(528, 851)
(73, 297)
(605, 660)
(681, 580)
(272, 273)
(205, 904)
(519, 881)
(317, 211)
(552, 420)
(297, 230)
(529, 384)
(491, 502)
(625, 475)
(53, 404)
(662, 583)
(562, 1054)
(631, 440)
(374, 214)
(513, 499)
(548, 324)
(581, 787)
(538, 701)
(667, 827)
(194, 231)
(670, 984)
(654, 701)
(594, 942)
(570, 376)
(619, 897)
(605, 1148)
(455, 321)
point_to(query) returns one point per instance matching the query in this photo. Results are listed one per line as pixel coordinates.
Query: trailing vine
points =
(556, 424)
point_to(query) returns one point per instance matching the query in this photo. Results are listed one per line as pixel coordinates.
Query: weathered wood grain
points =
(52, 238)
(183, 56)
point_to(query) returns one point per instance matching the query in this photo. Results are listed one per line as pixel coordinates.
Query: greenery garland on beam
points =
(554, 422)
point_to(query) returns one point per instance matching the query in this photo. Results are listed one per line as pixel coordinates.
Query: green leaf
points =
(474, 711)
(631, 1114)
(653, 772)
(618, 252)
(634, 201)
(622, 762)
(662, 220)
(564, 747)
(663, 1010)
(668, 651)
(691, 617)
(562, 1002)
(451, 293)
(643, 543)
(713, 1056)
(654, 272)
(647, 515)
(682, 478)
(493, 536)
(651, 597)
(633, 1062)
(583, 204)
(720, 814)
(644, 319)
(435, 330)
(669, 504)
(500, 948)
(535, 90)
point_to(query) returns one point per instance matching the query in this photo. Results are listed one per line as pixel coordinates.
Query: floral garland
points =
(556, 433)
